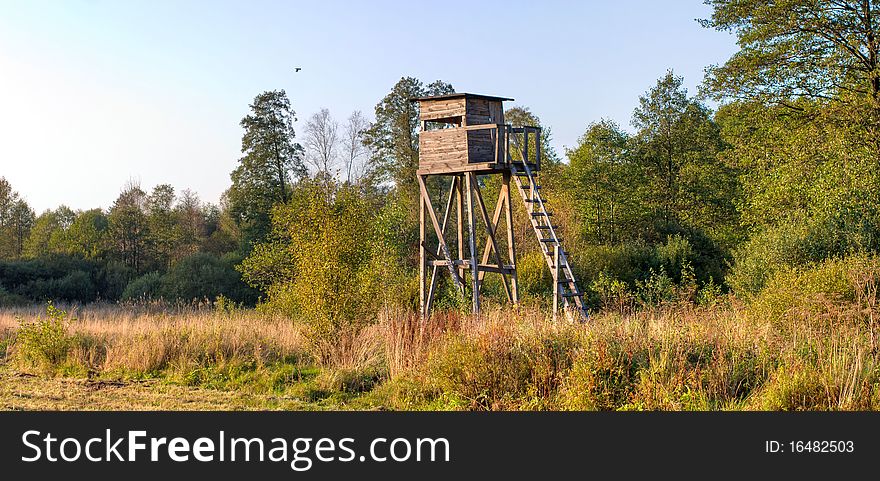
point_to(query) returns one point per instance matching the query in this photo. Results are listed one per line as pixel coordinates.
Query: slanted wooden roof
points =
(461, 95)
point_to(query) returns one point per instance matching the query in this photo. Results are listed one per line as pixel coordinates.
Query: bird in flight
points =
(297, 69)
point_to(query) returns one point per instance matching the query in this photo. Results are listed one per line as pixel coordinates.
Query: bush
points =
(57, 277)
(206, 276)
(603, 377)
(44, 343)
(147, 286)
(502, 367)
(810, 293)
(8, 299)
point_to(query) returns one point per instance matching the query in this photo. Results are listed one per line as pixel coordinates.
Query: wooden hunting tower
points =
(462, 136)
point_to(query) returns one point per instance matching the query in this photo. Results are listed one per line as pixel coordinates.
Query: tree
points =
(393, 136)
(317, 267)
(820, 50)
(353, 147)
(190, 220)
(678, 146)
(601, 181)
(272, 161)
(87, 234)
(129, 227)
(16, 221)
(21, 220)
(322, 142)
(163, 231)
(49, 234)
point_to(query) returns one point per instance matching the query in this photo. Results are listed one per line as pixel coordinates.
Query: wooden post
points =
(555, 280)
(538, 148)
(511, 248)
(472, 240)
(422, 260)
(460, 220)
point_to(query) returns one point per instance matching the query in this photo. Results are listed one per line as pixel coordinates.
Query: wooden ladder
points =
(566, 293)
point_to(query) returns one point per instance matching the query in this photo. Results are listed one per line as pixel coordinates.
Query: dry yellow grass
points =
(146, 340)
(674, 357)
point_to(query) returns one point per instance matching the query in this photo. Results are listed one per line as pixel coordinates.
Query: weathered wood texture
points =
(441, 108)
(474, 139)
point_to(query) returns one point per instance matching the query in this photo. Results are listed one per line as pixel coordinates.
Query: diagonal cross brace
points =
(443, 247)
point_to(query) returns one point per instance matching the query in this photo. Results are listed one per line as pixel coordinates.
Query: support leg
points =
(472, 240)
(422, 260)
(511, 247)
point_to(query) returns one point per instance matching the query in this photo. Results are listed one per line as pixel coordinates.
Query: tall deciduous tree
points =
(322, 142)
(825, 50)
(393, 137)
(87, 234)
(601, 180)
(272, 161)
(678, 145)
(129, 227)
(163, 230)
(353, 148)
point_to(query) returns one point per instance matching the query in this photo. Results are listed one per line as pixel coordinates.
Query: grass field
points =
(786, 350)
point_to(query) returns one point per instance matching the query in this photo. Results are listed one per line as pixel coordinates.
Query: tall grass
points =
(807, 342)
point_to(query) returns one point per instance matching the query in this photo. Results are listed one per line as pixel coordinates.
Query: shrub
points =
(206, 276)
(656, 289)
(147, 286)
(502, 367)
(814, 294)
(602, 377)
(612, 293)
(44, 343)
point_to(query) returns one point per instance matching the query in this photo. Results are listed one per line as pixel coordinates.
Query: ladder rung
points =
(551, 240)
(527, 187)
(531, 200)
(546, 226)
(572, 294)
(539, 214)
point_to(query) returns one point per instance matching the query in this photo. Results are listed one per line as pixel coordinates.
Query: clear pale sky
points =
(94, 93)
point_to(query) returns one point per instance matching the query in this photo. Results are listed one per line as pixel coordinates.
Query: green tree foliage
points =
(49, 234)
(272, 161)
(162, 226)
(804, 128)
(129, 228)
(393, 136)
(199, 276)
(16, 221)
(803, 49)
(809, 189)
(677, 147)
(322, 259)
(87, 235)
(602, 181)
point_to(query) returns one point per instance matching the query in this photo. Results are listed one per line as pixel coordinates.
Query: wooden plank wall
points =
(442, 108)
(446, 148)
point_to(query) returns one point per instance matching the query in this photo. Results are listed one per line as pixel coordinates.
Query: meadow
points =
(807, 342)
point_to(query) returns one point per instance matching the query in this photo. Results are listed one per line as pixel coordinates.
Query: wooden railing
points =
(528, 137)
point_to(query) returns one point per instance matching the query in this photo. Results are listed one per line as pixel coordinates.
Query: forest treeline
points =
(322, 223)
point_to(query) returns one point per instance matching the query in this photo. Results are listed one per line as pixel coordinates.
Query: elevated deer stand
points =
(463, 136)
